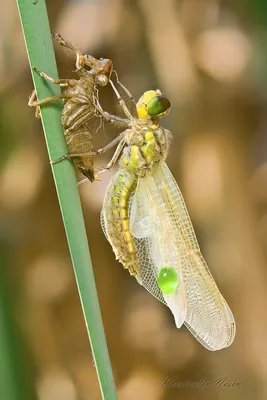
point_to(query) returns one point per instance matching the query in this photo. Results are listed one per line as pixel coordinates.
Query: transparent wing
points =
(154, 234)
(208, 316)
(154, 247)
(164, 236)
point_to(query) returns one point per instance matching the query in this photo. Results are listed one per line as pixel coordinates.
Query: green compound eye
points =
(158, 106)
(168, 280)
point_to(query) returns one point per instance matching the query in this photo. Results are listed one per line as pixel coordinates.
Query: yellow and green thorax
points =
(147, 141)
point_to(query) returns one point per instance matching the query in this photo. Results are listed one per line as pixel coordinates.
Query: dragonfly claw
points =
(97, 177)
(65, 157)
(36, 70)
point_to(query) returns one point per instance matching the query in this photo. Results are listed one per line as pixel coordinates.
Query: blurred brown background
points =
(210, 58)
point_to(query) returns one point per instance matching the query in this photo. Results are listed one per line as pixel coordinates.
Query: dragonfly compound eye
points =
(158, 106)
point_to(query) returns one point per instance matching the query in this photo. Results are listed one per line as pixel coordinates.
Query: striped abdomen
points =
(116, 219)
(80, 142)
(76, 112)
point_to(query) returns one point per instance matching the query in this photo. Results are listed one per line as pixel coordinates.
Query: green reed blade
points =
(41, 54)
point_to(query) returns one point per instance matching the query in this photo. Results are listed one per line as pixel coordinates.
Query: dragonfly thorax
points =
(146, 146)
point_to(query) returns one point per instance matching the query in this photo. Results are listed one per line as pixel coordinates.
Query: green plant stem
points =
(41, 54)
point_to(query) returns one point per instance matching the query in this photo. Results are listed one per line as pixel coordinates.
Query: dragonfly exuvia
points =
(81, 103)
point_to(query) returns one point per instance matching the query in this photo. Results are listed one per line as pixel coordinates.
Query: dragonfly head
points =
(152, 105)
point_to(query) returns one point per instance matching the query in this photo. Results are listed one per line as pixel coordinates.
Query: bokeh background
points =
(210, 58)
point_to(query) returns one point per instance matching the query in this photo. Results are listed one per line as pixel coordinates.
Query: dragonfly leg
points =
(62, 42)
(115, 120)
(112, 119)
(91, 153)
(32, 102)
(65, 157)
(114, 157)
(80, 60)
(110, 144)
(37, 112)
(123, 87)
(101, 150)
(36, 103)
(73, 155)
(61, 82)
(121, 101)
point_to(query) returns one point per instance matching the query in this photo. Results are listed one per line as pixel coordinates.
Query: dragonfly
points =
(81, 103)
(145, 219)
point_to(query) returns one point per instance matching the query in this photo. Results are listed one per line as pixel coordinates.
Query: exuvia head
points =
(101, 69)
(152, 105)
(104, 72)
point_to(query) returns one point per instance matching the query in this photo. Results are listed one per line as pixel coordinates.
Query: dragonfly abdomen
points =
(76, 112)
(116, 219)
(80, 142)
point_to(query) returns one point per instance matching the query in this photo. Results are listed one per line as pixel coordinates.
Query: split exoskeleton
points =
(81, 103)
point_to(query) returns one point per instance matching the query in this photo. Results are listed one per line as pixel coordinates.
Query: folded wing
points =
(154, 237)
(164, 236)
(209, 317)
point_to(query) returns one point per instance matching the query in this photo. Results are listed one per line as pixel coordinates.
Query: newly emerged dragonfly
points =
(80, 98)
(145, 219)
